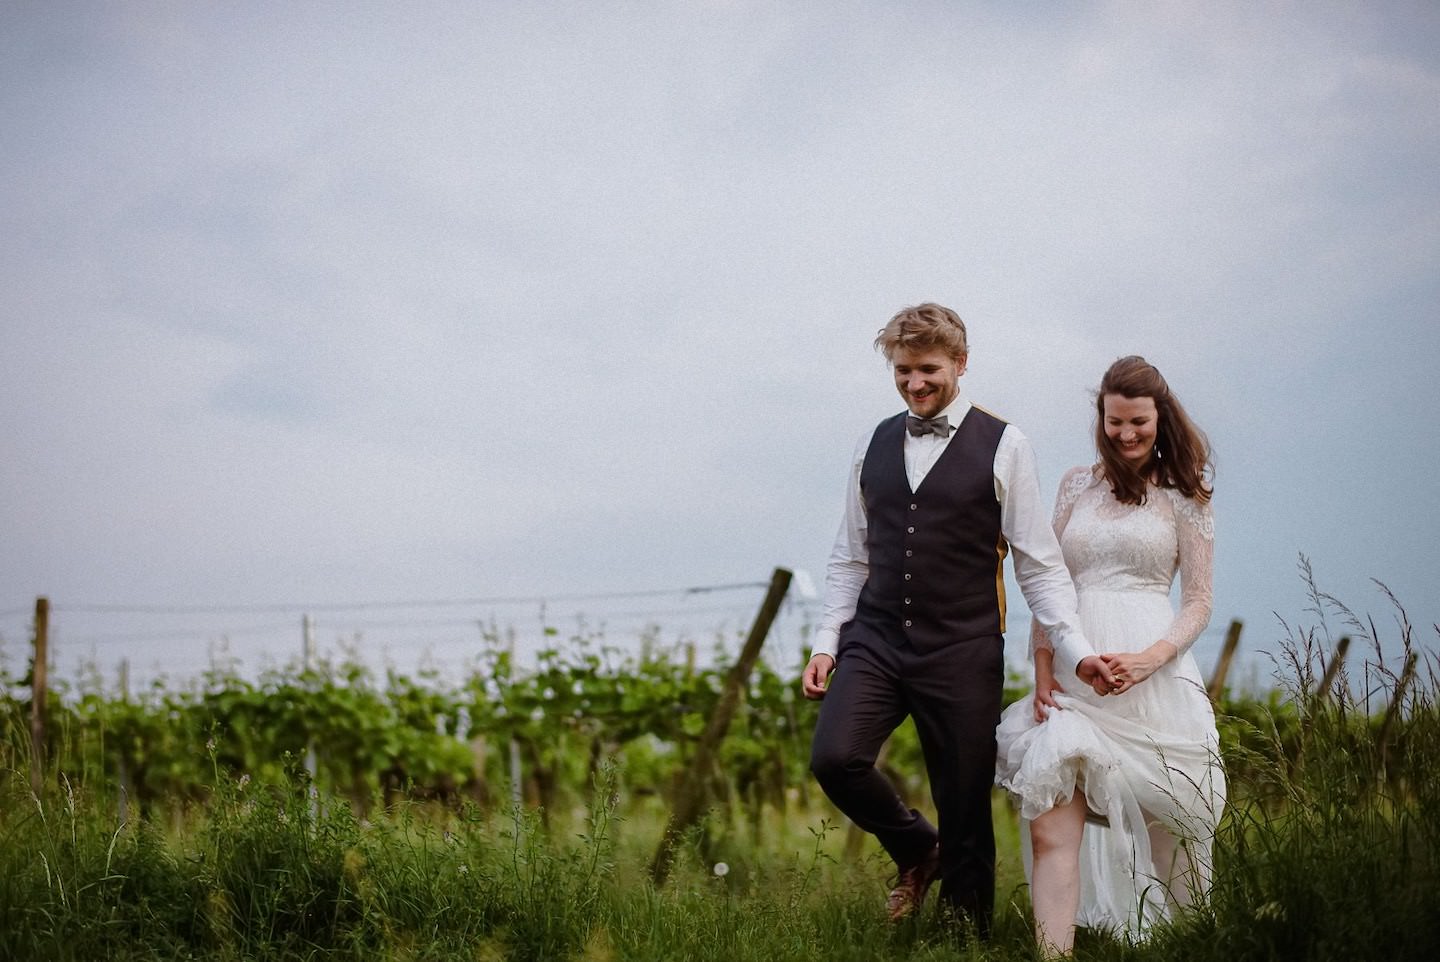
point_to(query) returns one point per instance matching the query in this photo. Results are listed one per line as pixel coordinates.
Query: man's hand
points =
(1132, 667)
(813, 680)
(1094, 672)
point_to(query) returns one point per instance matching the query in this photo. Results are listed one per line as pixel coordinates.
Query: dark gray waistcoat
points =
(936, 555)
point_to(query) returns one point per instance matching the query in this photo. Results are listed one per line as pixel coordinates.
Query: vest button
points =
(908, 552)
(907, 601)
(911, 529)
(914, 506)
(908, 623)
(908, 576)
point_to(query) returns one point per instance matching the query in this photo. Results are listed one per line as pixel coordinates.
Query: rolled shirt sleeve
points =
(1039, 566)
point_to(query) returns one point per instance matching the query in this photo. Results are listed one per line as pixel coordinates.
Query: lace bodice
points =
(1110, 546)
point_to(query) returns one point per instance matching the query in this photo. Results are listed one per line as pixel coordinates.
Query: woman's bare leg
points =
(1055, 875)
(1173, 865)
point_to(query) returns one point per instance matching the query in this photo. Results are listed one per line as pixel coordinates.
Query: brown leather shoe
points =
(909, 892)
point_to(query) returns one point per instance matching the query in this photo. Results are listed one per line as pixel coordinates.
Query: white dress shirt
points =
(1024, 523)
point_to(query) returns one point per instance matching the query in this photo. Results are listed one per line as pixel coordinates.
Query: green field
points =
(187, 824)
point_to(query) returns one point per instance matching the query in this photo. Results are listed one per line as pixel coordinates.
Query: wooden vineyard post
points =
(1322, 693)
(1222, 667)
(312, 764)
(37, 694)
(122, 769)
(1333, 669)
(691, 797)
(517, 773)
(1397, 703)
(517, 776)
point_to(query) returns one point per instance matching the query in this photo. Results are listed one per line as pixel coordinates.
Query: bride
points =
(1119, 796)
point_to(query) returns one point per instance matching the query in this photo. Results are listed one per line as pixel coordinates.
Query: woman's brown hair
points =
(1181, 457)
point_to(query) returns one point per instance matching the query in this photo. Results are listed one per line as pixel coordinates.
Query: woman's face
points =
(1130, 424)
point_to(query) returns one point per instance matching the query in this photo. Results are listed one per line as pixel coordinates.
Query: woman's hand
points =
(1132, 667)
(1045, 684)
(1045, 699)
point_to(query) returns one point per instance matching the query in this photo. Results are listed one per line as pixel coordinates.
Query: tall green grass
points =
(1331, 845)
(260, 873)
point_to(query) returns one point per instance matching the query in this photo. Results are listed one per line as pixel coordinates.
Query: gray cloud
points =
(345, 302)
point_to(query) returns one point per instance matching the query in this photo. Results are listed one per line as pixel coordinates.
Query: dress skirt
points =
(1149, 755)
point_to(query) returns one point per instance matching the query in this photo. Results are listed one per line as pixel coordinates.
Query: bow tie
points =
(919, 427)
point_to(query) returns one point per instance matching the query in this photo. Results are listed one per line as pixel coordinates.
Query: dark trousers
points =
(954, 695)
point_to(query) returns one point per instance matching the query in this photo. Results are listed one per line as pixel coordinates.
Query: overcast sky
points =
(346, 302)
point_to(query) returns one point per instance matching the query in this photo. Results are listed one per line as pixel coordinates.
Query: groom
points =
(915, 611)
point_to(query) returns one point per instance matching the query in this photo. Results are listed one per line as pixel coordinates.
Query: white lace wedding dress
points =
(1151, 754)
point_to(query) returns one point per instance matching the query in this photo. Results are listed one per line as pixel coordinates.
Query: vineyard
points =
(501, 735)
(417, 737)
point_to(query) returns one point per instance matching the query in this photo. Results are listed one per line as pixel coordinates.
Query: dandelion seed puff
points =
(721, 870)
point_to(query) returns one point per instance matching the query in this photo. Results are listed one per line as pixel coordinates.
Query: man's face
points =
(927, 380)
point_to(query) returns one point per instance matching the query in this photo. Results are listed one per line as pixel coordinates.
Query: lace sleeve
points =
(1195, 532)
(1072, 484)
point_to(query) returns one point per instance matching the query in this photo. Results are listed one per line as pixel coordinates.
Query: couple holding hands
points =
(1114, 760)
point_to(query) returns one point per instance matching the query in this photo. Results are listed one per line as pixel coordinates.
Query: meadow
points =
(330, 814)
